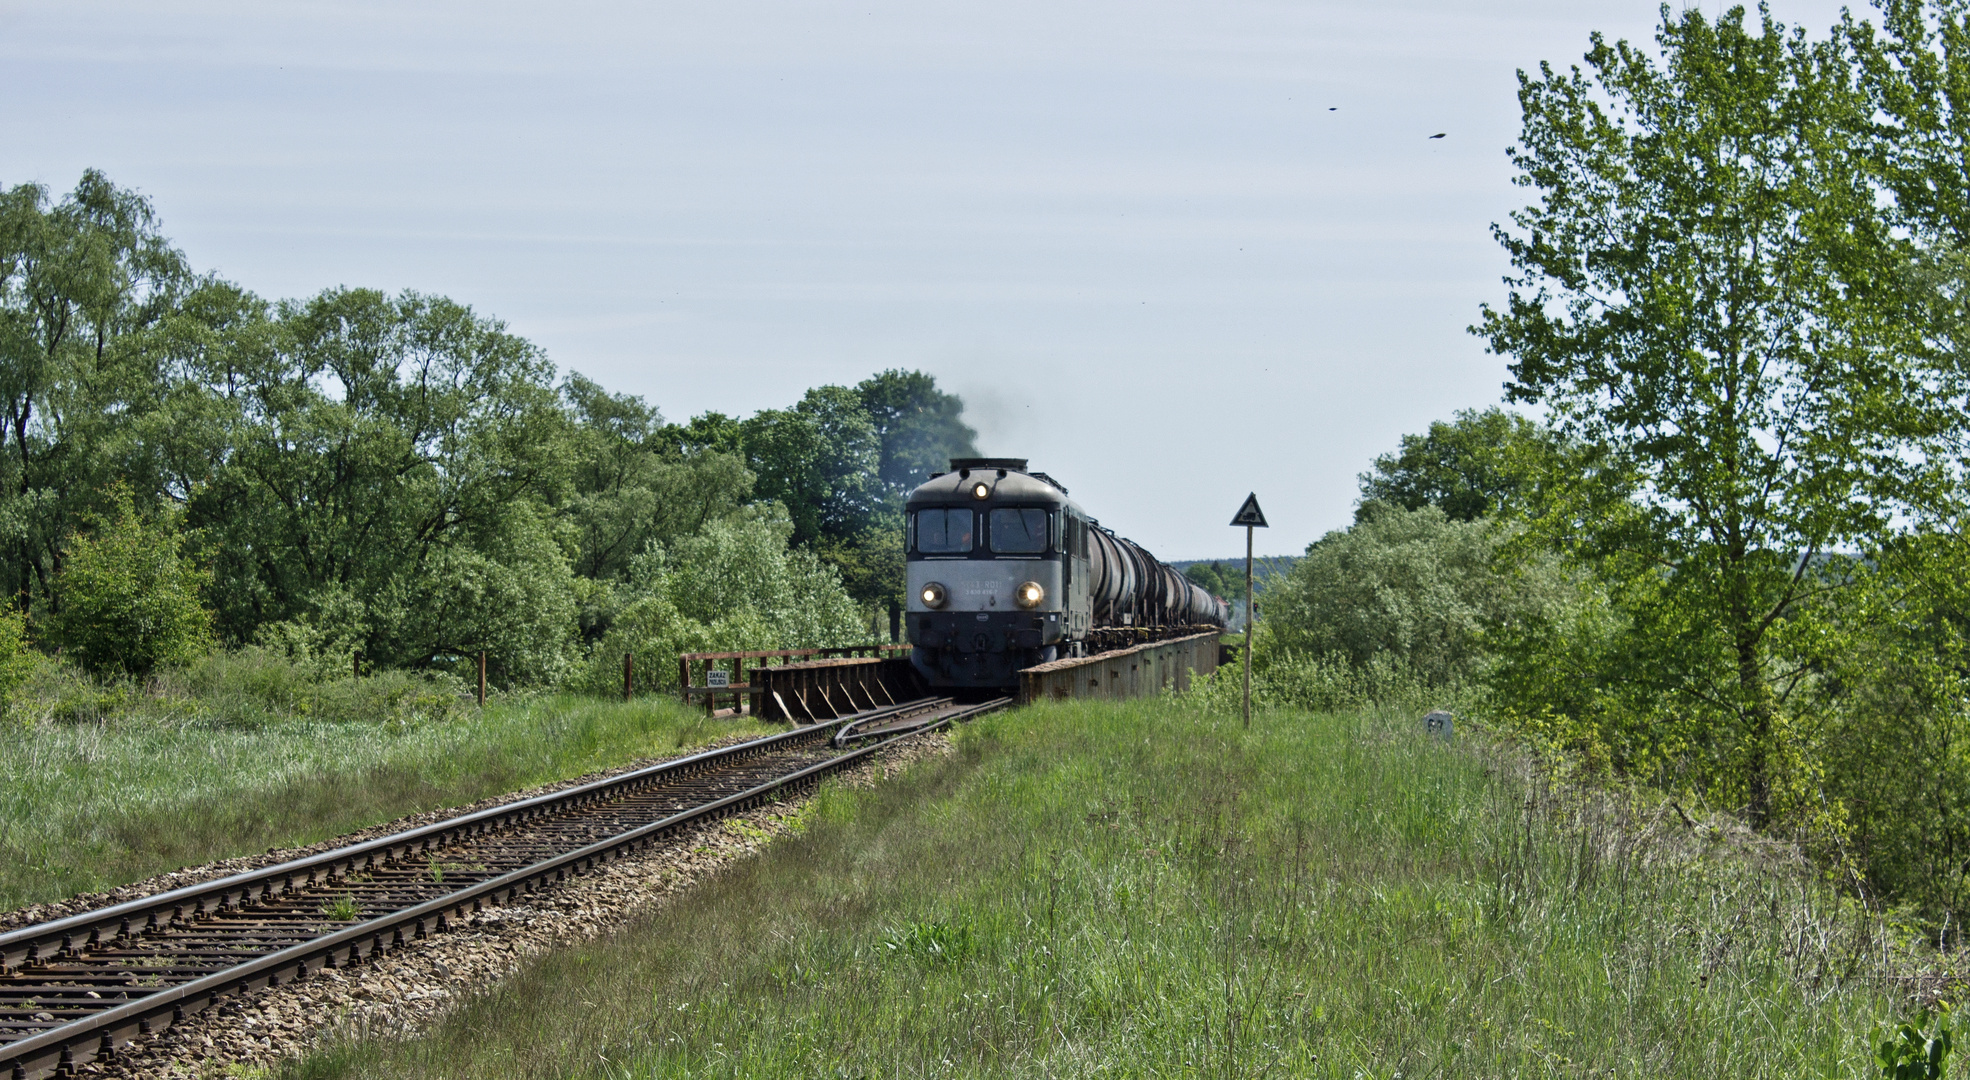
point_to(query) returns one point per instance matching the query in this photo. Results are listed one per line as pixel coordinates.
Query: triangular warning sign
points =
(1250, 514)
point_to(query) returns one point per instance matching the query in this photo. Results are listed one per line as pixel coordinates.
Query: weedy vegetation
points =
(1147, 889)
(95, 794)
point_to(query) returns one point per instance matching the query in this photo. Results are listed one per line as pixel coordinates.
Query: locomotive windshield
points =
(944, 532)
(1018, 532)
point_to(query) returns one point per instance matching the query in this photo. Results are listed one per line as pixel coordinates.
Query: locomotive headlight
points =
(980, 491)
(934, 595)
(1029, 594)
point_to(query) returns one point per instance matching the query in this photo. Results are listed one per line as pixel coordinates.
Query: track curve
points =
(74, 989)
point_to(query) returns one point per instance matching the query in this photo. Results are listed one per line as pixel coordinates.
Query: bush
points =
(1411, 586)
(510, 593)
(231, 689)
(256, 685)
(1330, 683)
(17, 658)
(733, 587)
(129, 604)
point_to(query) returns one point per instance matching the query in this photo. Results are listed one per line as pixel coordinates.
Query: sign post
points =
(1250, 516)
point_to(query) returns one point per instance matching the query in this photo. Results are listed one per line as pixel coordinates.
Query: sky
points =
(1170, 252)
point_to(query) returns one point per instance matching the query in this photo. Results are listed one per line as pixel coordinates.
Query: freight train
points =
(1006, 572)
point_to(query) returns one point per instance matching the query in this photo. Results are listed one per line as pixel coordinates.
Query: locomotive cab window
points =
(1018, 532)
(945, 532)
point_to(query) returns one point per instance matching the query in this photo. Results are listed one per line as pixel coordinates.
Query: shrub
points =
(1330, 683)
(17, 657)
(129, 603)
(1409, 585)
(733, 587)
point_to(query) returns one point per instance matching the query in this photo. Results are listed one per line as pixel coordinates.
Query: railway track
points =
(75, 989)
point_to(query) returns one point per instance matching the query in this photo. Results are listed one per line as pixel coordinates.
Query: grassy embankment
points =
(1141, 889)
(112, 785)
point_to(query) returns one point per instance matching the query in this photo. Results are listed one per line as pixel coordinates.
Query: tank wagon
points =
(1005, 572)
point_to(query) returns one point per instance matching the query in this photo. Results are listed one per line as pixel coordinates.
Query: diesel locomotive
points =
(1005, 572)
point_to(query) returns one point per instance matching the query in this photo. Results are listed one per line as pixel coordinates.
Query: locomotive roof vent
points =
(1016, 464)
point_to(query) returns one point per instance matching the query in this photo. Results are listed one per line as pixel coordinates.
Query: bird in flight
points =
(1439, 135)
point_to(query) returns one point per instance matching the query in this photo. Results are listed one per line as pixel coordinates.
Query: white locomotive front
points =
(1005, 572)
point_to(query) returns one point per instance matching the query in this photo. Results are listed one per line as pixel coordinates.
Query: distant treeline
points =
(1225, 578)
(397, 480)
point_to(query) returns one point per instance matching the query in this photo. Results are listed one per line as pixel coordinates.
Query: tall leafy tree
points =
(920, 428)
(1707, 297)
(82, 282)
(820, 460)
(398, 451)
(1472, 466)
(633, 486)
(1412, 586)
(1915, 71)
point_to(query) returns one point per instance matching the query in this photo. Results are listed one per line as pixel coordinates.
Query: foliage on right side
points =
(1727, 558)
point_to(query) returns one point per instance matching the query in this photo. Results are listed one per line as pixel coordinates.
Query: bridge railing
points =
(725, 673)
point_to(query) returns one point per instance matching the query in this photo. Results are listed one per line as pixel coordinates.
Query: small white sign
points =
(715, 678)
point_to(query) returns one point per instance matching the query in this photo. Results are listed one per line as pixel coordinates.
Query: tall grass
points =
(107, 783)
(1288, 679)
(1145, 889)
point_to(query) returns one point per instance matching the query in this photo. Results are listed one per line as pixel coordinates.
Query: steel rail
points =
(846, 732)
(68, 935)
(96, 1035)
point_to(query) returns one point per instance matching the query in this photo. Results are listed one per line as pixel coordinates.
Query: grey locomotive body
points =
(1005, 572)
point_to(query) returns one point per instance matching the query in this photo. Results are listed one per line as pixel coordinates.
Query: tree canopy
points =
(1709, 301)
(1474, 465)
(394, 476)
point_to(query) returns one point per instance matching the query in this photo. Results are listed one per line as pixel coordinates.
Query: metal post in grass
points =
(1250, 516)
(482, 677)
(628, 673)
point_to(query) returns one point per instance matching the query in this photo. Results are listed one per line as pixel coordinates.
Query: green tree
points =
(1707, 301)
(633, 487)
(706, 431)
(1914, 71)
(92, 296)
(817, 459)
(735, 585)
(1226, 582)
(383, 448)
(919, 428)
(841, 461)
(130, 603)
(1205, 576)
(1478, 464)
(1409, 586)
